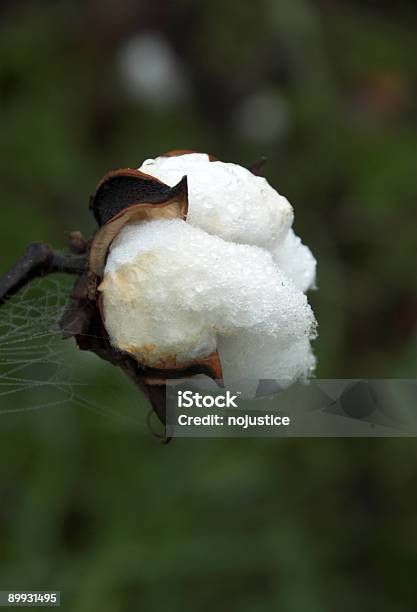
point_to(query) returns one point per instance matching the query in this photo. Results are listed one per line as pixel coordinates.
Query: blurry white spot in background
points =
(151, 72)
(263, 117)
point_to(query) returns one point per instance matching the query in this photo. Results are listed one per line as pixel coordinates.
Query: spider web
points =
(38, 369)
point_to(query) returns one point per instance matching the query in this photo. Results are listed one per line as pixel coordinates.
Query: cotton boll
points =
(296, 261)
(226, 199)
(173, 293)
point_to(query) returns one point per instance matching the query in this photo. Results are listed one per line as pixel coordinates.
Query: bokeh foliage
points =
(98, 509)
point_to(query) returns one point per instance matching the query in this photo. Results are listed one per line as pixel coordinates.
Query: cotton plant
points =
(194, 270)
(228, 280)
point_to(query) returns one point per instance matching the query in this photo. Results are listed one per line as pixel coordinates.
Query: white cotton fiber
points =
(296, 261)
(173, 292)
(226, 199)
(250, 356)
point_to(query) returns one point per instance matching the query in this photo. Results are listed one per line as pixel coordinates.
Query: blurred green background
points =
(90, 503)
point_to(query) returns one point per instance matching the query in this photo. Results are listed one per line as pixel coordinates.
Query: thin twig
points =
(38, 260)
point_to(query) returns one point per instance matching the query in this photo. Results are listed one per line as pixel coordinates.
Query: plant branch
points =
(38, 260)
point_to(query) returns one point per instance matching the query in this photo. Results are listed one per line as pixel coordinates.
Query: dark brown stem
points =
(38, 260)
